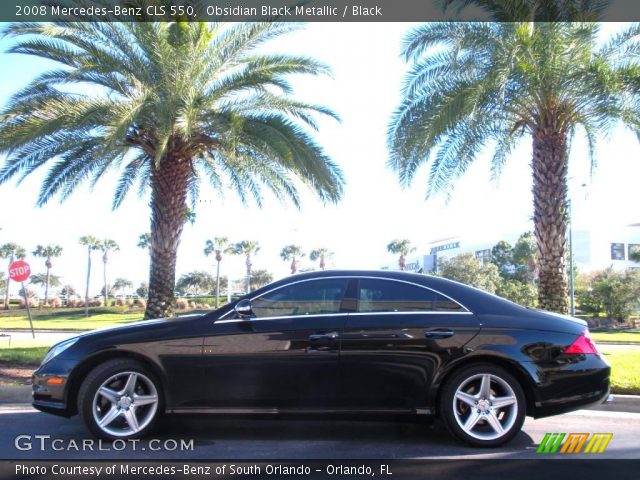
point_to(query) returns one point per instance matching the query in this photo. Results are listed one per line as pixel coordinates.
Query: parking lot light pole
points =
(571, 276)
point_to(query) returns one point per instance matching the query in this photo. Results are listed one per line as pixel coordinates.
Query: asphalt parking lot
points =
(269, 438)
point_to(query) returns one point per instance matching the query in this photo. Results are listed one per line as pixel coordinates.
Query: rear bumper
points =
(573, 387)
(569, 404)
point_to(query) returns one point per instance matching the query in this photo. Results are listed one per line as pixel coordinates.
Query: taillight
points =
(583, 344)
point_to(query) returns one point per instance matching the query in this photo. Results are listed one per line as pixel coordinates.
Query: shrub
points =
(466, 268)
(617, 293)
(525, 294)
(55, 303)
(140, 302)
(96, 302)
(120, 302)
(193, 304)
(182, 304)
(32, 303)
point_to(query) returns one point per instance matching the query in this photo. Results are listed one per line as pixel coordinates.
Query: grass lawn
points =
(69, 321)
(625, 369)
(622, 337)
(23, 356)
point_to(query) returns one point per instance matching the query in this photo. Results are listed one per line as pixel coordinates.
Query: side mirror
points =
(243, 309)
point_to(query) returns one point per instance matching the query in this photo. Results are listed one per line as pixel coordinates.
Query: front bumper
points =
(50, 397)
(55, 408)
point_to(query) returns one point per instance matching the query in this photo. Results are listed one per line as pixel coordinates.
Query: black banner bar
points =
(327, 469)
(295, 11)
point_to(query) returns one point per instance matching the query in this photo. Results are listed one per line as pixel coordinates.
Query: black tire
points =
(453, 413)
(122, 368)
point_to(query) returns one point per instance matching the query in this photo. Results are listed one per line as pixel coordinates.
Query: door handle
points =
(324, 336)
(439, 334)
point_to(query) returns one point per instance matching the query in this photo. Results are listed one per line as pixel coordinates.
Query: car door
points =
(285, 355)
(394, 343)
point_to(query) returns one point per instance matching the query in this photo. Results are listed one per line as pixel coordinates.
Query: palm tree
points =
(321, 254)
(121, 284)
(478, 83)
(12, 251)
(92, 244)
(3, 282)
(47, 251)
(107, 245)
(46, 280)
(218, 245)
(292, 253)
(182, 101)
(246, 248)
(144, 241)
(196, 281)
(403, 248)
(534, 10)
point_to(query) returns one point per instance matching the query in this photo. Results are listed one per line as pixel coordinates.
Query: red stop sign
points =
(19, 271)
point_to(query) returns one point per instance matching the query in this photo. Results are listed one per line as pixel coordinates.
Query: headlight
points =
(58, 348)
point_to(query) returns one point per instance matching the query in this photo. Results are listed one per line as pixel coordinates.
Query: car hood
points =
(141, 325)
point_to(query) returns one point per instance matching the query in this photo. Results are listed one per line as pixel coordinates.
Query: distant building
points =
(593, 249)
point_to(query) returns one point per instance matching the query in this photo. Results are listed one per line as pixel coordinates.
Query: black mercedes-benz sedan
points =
(333, 341)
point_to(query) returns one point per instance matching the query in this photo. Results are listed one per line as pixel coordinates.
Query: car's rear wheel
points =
(483, 405)
(120, 399)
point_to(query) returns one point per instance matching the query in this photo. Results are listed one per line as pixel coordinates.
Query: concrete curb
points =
(621, 403)
(15, 394)
(59, 330)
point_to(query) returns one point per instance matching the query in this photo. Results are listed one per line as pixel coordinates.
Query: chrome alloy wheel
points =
(485, 406)
(125, 404)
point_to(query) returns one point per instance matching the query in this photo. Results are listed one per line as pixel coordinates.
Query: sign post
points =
(19, 271)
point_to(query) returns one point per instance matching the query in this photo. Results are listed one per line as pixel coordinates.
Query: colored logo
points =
(574, 443)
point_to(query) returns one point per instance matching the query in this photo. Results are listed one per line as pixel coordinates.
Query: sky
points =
(364, 91)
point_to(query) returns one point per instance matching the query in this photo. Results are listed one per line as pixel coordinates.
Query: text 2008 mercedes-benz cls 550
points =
(333, 341)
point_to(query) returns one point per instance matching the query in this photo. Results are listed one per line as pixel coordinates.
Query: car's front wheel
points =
(483, 405)
(120, 399)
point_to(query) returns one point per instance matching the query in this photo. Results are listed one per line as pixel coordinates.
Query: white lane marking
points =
(17, 410)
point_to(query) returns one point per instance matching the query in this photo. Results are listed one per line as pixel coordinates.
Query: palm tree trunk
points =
(402, 262)
(86, 292)
(46, 287)
(218, 284)
(248, 282)
(104, 280)
(550, 165)
(6, 293)
(322, 265)
(294, 267)
(169, 185)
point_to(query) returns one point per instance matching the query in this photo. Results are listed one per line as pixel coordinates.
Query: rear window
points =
(390, 296)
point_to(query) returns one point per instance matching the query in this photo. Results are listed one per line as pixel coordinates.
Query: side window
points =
(305, 298)
(389, 296)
